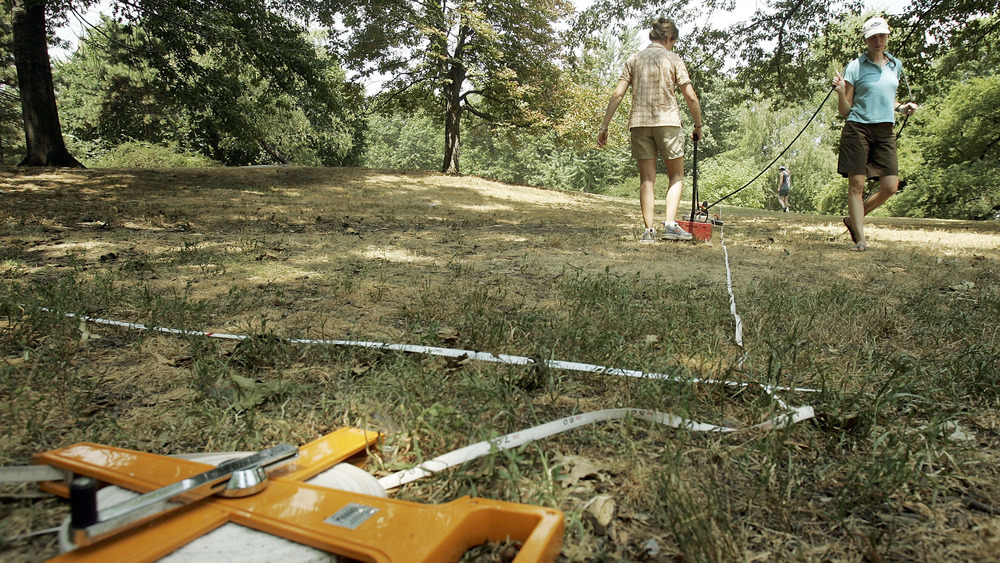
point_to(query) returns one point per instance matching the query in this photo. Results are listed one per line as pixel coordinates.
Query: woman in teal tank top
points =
(866, 98)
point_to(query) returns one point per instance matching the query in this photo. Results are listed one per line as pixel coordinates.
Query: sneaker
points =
(648, 236)
(675, 233)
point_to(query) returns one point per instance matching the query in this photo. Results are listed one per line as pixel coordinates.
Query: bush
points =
(404, 141)
(951, 154)
(148, 155)
(832, 198)
(960, 191)
(724, 174)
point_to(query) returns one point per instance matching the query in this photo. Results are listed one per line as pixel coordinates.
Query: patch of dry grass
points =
(902, 342)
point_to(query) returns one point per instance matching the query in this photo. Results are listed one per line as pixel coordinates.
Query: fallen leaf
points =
(651, 548)
(457, 362)
(601, 510)
(577, 468)
(17, 360)
(250, 393)
(448, 334)
(86, 335)
(920, 509)
(959, 434)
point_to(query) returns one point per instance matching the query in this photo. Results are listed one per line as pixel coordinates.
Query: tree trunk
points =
(453, 114)
(452, 136)
(42, 133)
(271, 150)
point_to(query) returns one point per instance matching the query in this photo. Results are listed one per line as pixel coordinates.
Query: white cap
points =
(875, 26)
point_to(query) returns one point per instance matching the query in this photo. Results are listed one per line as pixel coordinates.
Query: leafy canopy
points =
(499, 54)
(114, 90)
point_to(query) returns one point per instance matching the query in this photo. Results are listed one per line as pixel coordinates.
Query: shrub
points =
(148, 155)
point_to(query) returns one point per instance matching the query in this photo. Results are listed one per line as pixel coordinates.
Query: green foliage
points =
(120, 86)
(954, 153)
(832, 197)
(964, 127)
(11, 129)
(698, 515)
(544, 159)
(536, 158)
(771, 135)
(492, 59)
(727, 173)
(974, 51)
(589, 81)
(148, 155)
(403, 141)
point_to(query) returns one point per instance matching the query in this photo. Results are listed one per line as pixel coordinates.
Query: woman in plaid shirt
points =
(655, 122)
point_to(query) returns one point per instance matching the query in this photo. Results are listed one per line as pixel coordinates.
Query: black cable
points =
(783, 151)
(694, 182)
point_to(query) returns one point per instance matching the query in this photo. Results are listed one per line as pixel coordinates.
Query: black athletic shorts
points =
(869, 149)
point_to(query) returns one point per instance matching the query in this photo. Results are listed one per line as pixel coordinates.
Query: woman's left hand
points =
(909, 108)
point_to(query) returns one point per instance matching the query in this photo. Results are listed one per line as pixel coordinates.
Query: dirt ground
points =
(310, 230)
(310, 224)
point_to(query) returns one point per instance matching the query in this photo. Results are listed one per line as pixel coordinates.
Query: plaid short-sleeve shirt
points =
(653, 74)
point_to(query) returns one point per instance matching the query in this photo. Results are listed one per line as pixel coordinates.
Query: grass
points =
(901, 343)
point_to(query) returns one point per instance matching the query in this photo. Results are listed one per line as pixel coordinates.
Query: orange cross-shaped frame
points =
(384, 530)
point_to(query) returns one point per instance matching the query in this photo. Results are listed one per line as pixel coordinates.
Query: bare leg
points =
(675, 173)
(647, 198)
(856, 207)
(887, 187)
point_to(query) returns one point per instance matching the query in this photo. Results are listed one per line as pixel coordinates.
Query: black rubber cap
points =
(83, 502)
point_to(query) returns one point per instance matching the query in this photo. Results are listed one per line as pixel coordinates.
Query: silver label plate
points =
(352, 516)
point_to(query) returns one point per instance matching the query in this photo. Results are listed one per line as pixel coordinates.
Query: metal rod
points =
(143, 507)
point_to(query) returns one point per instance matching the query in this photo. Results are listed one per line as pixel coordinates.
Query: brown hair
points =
(663, 28)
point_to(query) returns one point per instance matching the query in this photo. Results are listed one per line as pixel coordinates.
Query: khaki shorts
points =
(869, 149)
(666, 141)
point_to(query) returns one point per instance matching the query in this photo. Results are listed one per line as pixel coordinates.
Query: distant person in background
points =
(784, 187)
(655, 123)
(866, 97)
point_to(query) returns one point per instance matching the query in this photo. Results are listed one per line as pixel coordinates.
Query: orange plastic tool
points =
(362, 527)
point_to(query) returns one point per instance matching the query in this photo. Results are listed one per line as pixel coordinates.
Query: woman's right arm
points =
(609, 112)
(694, 106)
(845, 95)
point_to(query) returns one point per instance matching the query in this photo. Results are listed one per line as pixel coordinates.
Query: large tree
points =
(43, 136)
(495, 59)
